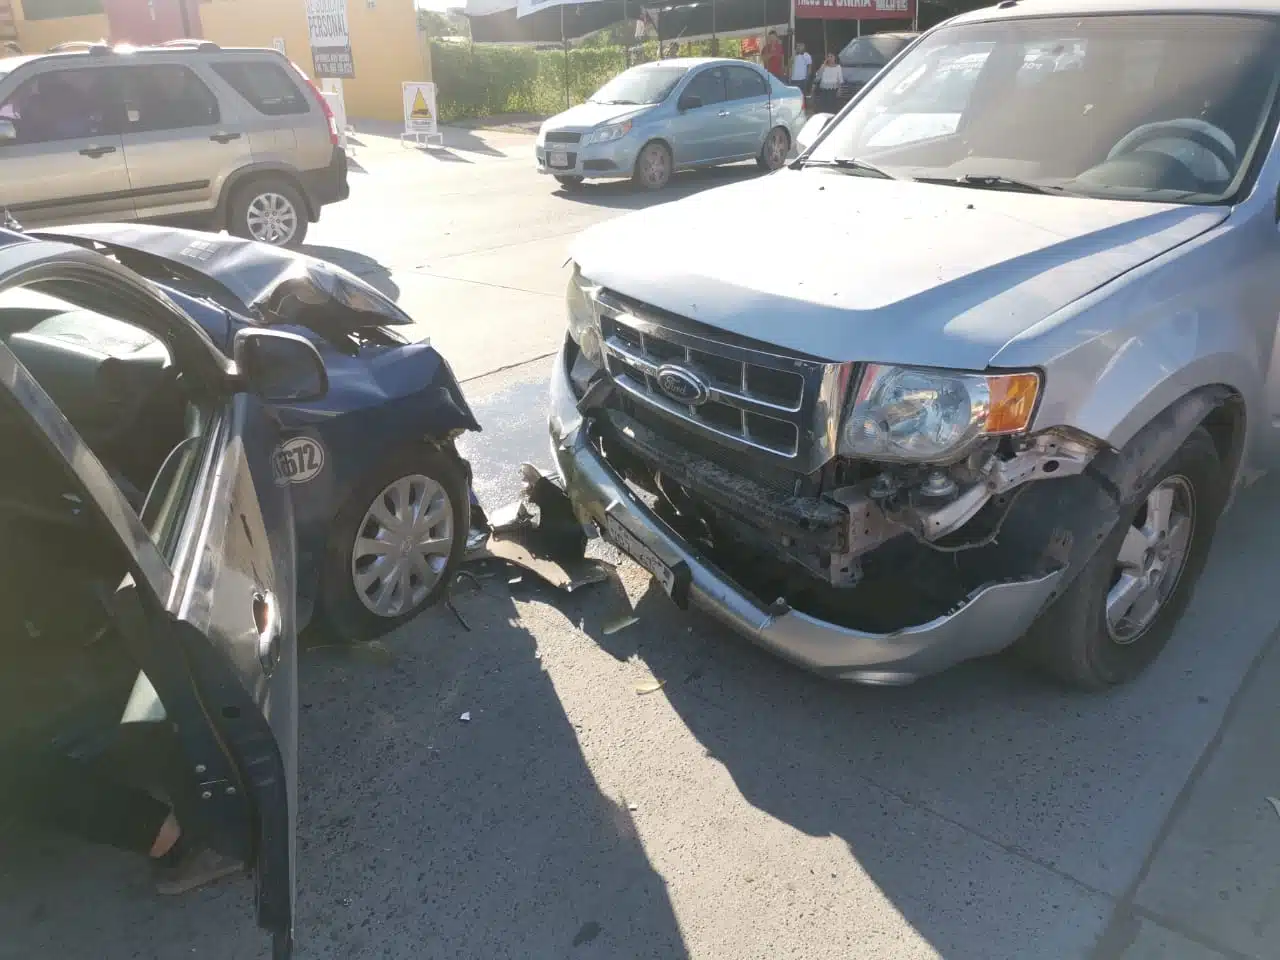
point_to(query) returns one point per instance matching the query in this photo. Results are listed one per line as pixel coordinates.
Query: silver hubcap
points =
(402, 546)
(1151, 559)
(272, 218)
(653, 166)
(777, 149)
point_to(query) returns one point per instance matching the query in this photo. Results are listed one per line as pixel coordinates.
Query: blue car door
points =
(747, 102)
(700, 132)
(206, 610)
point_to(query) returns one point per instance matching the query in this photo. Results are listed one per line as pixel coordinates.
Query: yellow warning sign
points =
(420, 110)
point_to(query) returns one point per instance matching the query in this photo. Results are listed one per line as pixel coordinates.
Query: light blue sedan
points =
(657, 118)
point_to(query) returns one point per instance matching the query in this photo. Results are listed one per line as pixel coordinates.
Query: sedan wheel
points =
(394, 546)
(402, 546)
(654, 166)
(776, 147)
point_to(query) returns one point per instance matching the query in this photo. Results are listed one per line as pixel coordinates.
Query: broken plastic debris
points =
(649, 686)
(466, 717)
(613, 626)
(632, 807)
(1274, 803)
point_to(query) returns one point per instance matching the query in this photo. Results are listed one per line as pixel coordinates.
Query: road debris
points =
(649, 686)
(621, 623)
(1275, 804)
(466, 717)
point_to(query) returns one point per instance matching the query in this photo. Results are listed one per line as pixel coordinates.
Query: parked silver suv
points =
(188, 132)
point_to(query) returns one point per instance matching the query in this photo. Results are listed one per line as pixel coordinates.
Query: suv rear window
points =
(266, 86)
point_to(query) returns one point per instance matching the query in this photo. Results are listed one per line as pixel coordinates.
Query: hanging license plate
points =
(560, 160)
(674, 580)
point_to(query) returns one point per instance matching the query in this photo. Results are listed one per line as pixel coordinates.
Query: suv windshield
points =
(649, 83)
(872, 51)
(1146, 107)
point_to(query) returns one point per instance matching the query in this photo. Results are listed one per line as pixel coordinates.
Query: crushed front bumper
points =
(990, 619)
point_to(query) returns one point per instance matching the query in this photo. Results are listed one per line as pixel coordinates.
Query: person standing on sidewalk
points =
(830, 76)
(801, 67)
(773, 57)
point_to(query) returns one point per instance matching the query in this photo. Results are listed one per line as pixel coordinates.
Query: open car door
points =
(207, 610)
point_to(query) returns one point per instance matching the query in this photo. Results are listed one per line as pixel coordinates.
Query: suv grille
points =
(754, 400)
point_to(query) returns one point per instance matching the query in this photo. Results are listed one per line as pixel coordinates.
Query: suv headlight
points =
(614, 131)
(584, 325)
(927, 416)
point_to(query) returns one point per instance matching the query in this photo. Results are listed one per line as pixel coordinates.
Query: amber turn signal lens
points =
(1013, 401)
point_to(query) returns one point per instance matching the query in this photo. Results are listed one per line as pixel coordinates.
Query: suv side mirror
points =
(279, 367)
(8, 132)
(812, 129)
(690, 102)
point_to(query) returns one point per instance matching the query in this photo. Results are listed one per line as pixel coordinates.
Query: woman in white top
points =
(829, 79)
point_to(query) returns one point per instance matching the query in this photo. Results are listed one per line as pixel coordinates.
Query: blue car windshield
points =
(1157, 107)
(647, 83)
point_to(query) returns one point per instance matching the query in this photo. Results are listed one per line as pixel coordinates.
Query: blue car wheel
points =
(396, 544)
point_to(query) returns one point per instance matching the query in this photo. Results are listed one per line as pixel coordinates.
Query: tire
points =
(568, 183)
(1073, 641)
(773, 155)
(654, 166)
(270, 207)
(353, 613)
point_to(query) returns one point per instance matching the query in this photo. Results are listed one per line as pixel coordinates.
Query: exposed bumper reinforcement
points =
(990, 619)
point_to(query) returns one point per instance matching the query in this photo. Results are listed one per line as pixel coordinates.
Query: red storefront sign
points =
(855, 9)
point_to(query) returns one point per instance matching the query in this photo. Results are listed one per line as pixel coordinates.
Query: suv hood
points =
(843, 267)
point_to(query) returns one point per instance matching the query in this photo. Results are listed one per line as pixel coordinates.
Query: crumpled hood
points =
(275, 285)
(585, 116)
(844, 267)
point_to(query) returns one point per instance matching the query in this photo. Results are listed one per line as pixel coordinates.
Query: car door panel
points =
(748, 104)
(179, 141)
(68, 163)
(202, 628)
(699, 134)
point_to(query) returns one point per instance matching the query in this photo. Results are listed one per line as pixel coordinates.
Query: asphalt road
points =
(744, 809)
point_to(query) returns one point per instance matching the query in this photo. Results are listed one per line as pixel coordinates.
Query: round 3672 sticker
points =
(298, 460)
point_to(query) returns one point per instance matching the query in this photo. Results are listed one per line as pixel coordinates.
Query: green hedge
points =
(482, 81)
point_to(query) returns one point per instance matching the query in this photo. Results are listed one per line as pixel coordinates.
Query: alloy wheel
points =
(1151, 559)
(272, 218)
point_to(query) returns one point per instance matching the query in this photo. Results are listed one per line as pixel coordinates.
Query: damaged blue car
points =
(382, 499)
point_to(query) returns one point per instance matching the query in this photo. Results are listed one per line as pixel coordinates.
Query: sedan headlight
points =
(614, 131)
(929, 416)
(584, 325)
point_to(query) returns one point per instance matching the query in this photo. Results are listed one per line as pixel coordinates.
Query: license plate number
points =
(628, 543)
(558, 159)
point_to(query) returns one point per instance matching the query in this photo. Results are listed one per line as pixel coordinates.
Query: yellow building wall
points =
(36, 36)
(385, 45)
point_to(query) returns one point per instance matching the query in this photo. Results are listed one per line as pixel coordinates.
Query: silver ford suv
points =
(1002, 397)
(188, 133)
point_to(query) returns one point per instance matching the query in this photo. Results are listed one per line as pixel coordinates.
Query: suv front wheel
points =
(269, 210)
(1119, 613)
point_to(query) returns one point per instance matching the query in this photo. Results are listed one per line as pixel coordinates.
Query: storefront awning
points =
(855, 9)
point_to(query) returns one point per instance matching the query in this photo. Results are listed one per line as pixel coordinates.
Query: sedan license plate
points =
(560, 160)
(628, 543)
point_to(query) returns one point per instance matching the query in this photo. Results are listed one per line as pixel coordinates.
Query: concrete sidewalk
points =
(1210, 887)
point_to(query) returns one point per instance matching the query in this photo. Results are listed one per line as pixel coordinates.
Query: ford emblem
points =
(683, 386)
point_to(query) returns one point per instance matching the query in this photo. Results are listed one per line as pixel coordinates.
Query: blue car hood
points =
(879, 270)
(586, 116)
(274, 285)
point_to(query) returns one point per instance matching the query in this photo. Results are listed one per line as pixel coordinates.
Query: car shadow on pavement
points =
(997, 814)
(363, 266)
(625, 195)
(445, 810)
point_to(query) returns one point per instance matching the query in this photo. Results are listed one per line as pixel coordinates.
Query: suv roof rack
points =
(94, 47)
(191, 43)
